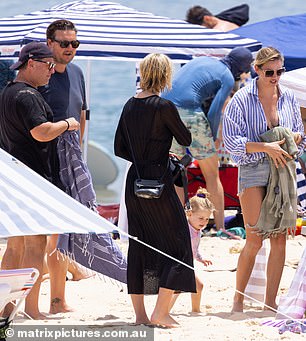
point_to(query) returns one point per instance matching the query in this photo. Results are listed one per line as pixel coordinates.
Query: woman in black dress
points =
(150, 123)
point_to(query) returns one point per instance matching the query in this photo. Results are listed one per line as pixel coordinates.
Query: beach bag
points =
(148, 189)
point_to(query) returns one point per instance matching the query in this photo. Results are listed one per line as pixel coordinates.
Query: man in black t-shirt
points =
(28, 133)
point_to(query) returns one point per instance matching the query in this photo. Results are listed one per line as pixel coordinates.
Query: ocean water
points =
(111, 83)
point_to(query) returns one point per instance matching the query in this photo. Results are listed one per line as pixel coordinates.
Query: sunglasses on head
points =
(50, 64)
(270, 73)
(65, 43)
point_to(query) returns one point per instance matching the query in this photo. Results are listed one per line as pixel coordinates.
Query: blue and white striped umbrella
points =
(111, 31)
(30, 205)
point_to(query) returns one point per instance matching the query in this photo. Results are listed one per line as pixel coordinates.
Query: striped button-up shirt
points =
(244, 121)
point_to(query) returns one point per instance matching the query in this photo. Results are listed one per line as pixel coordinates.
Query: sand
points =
(102, 303)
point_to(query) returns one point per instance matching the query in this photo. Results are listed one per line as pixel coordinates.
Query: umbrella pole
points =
(85, 136)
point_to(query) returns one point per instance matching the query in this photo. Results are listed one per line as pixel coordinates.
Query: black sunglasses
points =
(65, 43)
(50, 64)
(270, 73)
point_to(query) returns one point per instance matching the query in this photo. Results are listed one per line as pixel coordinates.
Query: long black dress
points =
(152, 122)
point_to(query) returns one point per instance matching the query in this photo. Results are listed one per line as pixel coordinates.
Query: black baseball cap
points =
(33, 50)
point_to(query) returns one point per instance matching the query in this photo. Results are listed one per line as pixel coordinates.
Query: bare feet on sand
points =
(37, 315)
(237, 307)
(84, 274)
(145, 321)
(164, 321)
(58, 306)
(272, 307)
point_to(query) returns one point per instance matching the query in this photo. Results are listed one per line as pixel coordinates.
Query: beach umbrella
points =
(296, 80)
(109, 30)
(286, 33)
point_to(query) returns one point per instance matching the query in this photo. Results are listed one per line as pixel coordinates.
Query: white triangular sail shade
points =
(31, 205)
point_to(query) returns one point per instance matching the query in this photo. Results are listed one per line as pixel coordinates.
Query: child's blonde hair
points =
(200, 201)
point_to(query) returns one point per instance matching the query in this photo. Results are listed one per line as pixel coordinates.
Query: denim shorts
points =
(202, 146)
(254, 174)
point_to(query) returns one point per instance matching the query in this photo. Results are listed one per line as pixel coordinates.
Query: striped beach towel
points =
(294, 303)
(256, 286)
(74, 173)
(301, 188)
(97, 252)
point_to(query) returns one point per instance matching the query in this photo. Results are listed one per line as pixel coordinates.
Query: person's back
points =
(199, 79)
(224, 25)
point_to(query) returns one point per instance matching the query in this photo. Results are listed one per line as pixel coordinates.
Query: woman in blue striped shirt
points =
(254, 109)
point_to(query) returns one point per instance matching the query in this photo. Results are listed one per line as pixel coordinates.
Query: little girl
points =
(198, 217)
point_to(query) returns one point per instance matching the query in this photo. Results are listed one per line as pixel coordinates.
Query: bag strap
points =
(132, 151)
(183, 171)
(131, 148)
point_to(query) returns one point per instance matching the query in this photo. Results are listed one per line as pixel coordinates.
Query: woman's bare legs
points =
(173, 300)
(140, 310)
(275, 268)
(210, 170)
(250, 200)
(160, 315)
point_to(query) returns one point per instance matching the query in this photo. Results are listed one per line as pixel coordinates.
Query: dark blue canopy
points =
(287, 34)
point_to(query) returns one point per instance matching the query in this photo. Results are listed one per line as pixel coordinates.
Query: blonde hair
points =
(155, 72)
(200, 201)
(267, 54)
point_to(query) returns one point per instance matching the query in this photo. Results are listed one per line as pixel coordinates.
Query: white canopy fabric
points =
(109, 30)
(31, 205)
(296, 80)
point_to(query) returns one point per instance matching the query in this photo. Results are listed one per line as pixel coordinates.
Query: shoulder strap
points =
(132, 152)
(128, 136)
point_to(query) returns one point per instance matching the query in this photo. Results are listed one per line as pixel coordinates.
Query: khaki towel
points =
(278, 210)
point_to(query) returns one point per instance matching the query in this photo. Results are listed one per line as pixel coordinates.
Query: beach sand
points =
(102, 303)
